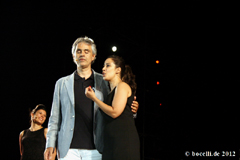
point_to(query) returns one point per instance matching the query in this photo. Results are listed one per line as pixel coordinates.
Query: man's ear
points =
(73, 56)
(93, 57)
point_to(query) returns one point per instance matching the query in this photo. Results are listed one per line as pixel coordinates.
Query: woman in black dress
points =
(32, 141)
(121, 141)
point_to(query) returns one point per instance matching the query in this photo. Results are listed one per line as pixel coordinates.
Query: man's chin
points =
(83, 65)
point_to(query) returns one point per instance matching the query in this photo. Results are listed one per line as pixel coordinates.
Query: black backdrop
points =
(186, 37)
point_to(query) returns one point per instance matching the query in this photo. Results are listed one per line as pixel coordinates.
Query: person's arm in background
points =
(20, 142)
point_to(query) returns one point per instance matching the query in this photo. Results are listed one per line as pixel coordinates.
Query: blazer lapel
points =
(98, 90)
(70, 87)
(97, 81)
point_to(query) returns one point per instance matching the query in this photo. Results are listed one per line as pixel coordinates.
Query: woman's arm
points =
(122, 92)
(20, 142)
(45, 132)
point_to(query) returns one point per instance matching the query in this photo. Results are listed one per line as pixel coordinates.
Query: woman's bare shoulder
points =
(124, 86)
(21, 133)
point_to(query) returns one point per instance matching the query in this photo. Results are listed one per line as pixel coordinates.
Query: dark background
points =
(186, 37)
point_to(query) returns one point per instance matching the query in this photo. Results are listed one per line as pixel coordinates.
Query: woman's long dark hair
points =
(126, 72)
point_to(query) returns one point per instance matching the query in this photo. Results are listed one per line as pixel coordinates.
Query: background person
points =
(32, 141)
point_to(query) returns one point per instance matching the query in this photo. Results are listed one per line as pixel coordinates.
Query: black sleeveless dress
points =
(121, 140)
(33, 143)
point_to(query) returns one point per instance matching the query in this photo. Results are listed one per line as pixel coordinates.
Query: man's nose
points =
(82, 54)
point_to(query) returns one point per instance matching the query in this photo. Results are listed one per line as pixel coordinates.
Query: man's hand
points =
(48, 154)
(134, 105)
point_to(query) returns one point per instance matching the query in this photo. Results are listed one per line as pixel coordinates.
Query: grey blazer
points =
(61, 120)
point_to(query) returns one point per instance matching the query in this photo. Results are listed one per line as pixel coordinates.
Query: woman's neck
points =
(35, 127)
(114, 82)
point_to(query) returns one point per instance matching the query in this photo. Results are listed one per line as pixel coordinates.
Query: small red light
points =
(158, 82)
(157, 61)
(160, 104)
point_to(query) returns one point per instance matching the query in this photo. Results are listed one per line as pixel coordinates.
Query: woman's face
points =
(39, 117)
(109, 70)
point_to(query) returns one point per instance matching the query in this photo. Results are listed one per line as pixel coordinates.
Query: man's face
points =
(83, 56)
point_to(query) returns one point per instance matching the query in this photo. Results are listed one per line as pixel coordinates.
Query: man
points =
(75, 125)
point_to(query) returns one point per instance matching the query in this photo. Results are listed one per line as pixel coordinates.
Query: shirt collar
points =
(77, 77)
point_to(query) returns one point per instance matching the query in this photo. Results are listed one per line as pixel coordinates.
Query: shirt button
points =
(73, 116)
